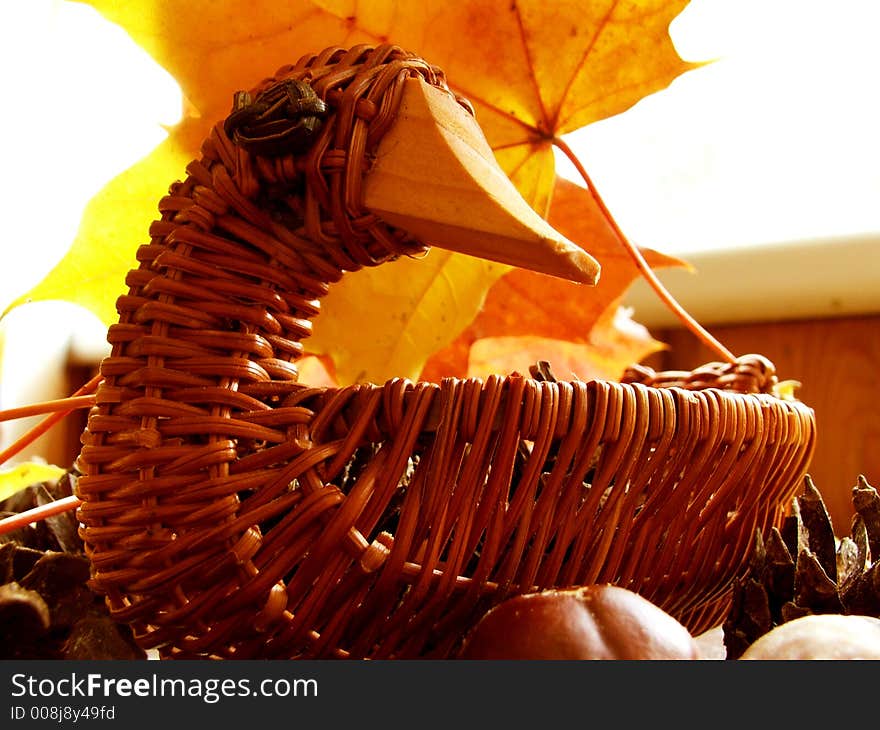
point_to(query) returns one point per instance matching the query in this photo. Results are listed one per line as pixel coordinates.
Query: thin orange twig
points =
(82, 398)
(662, 292)
(47, 423)
(48, 406)
(37, 514)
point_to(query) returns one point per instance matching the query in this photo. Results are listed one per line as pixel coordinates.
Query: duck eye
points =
(284, 118)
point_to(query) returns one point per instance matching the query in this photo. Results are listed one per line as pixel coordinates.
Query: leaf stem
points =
(82, 398)
(47, 423)
(662, 292)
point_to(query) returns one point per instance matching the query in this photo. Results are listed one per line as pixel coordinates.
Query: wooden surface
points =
(836, 360)
(436, 177)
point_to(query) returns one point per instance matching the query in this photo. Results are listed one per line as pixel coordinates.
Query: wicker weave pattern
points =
(231, 511)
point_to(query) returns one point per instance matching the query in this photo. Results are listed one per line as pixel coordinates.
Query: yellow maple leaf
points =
(24, 475)
(114, 225)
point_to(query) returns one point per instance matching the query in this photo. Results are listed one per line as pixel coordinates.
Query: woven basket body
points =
(230, 511)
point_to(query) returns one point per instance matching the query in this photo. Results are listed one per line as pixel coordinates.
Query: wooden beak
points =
(436, 177)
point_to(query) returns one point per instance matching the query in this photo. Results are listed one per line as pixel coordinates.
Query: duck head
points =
(394, 162)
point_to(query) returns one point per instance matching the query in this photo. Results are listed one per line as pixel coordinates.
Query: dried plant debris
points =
(47, 610)
(60, 532)
(802, 568)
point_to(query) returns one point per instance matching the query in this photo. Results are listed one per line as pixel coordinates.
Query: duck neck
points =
(246, 247)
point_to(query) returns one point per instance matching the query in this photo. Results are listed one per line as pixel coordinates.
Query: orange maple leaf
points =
(538, 310)
(533, 71)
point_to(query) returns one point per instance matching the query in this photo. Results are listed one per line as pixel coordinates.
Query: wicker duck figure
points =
(230, 511)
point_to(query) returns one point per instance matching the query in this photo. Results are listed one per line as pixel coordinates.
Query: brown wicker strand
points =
(231, 511)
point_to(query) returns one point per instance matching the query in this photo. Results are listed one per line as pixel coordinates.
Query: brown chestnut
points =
(592, 622)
